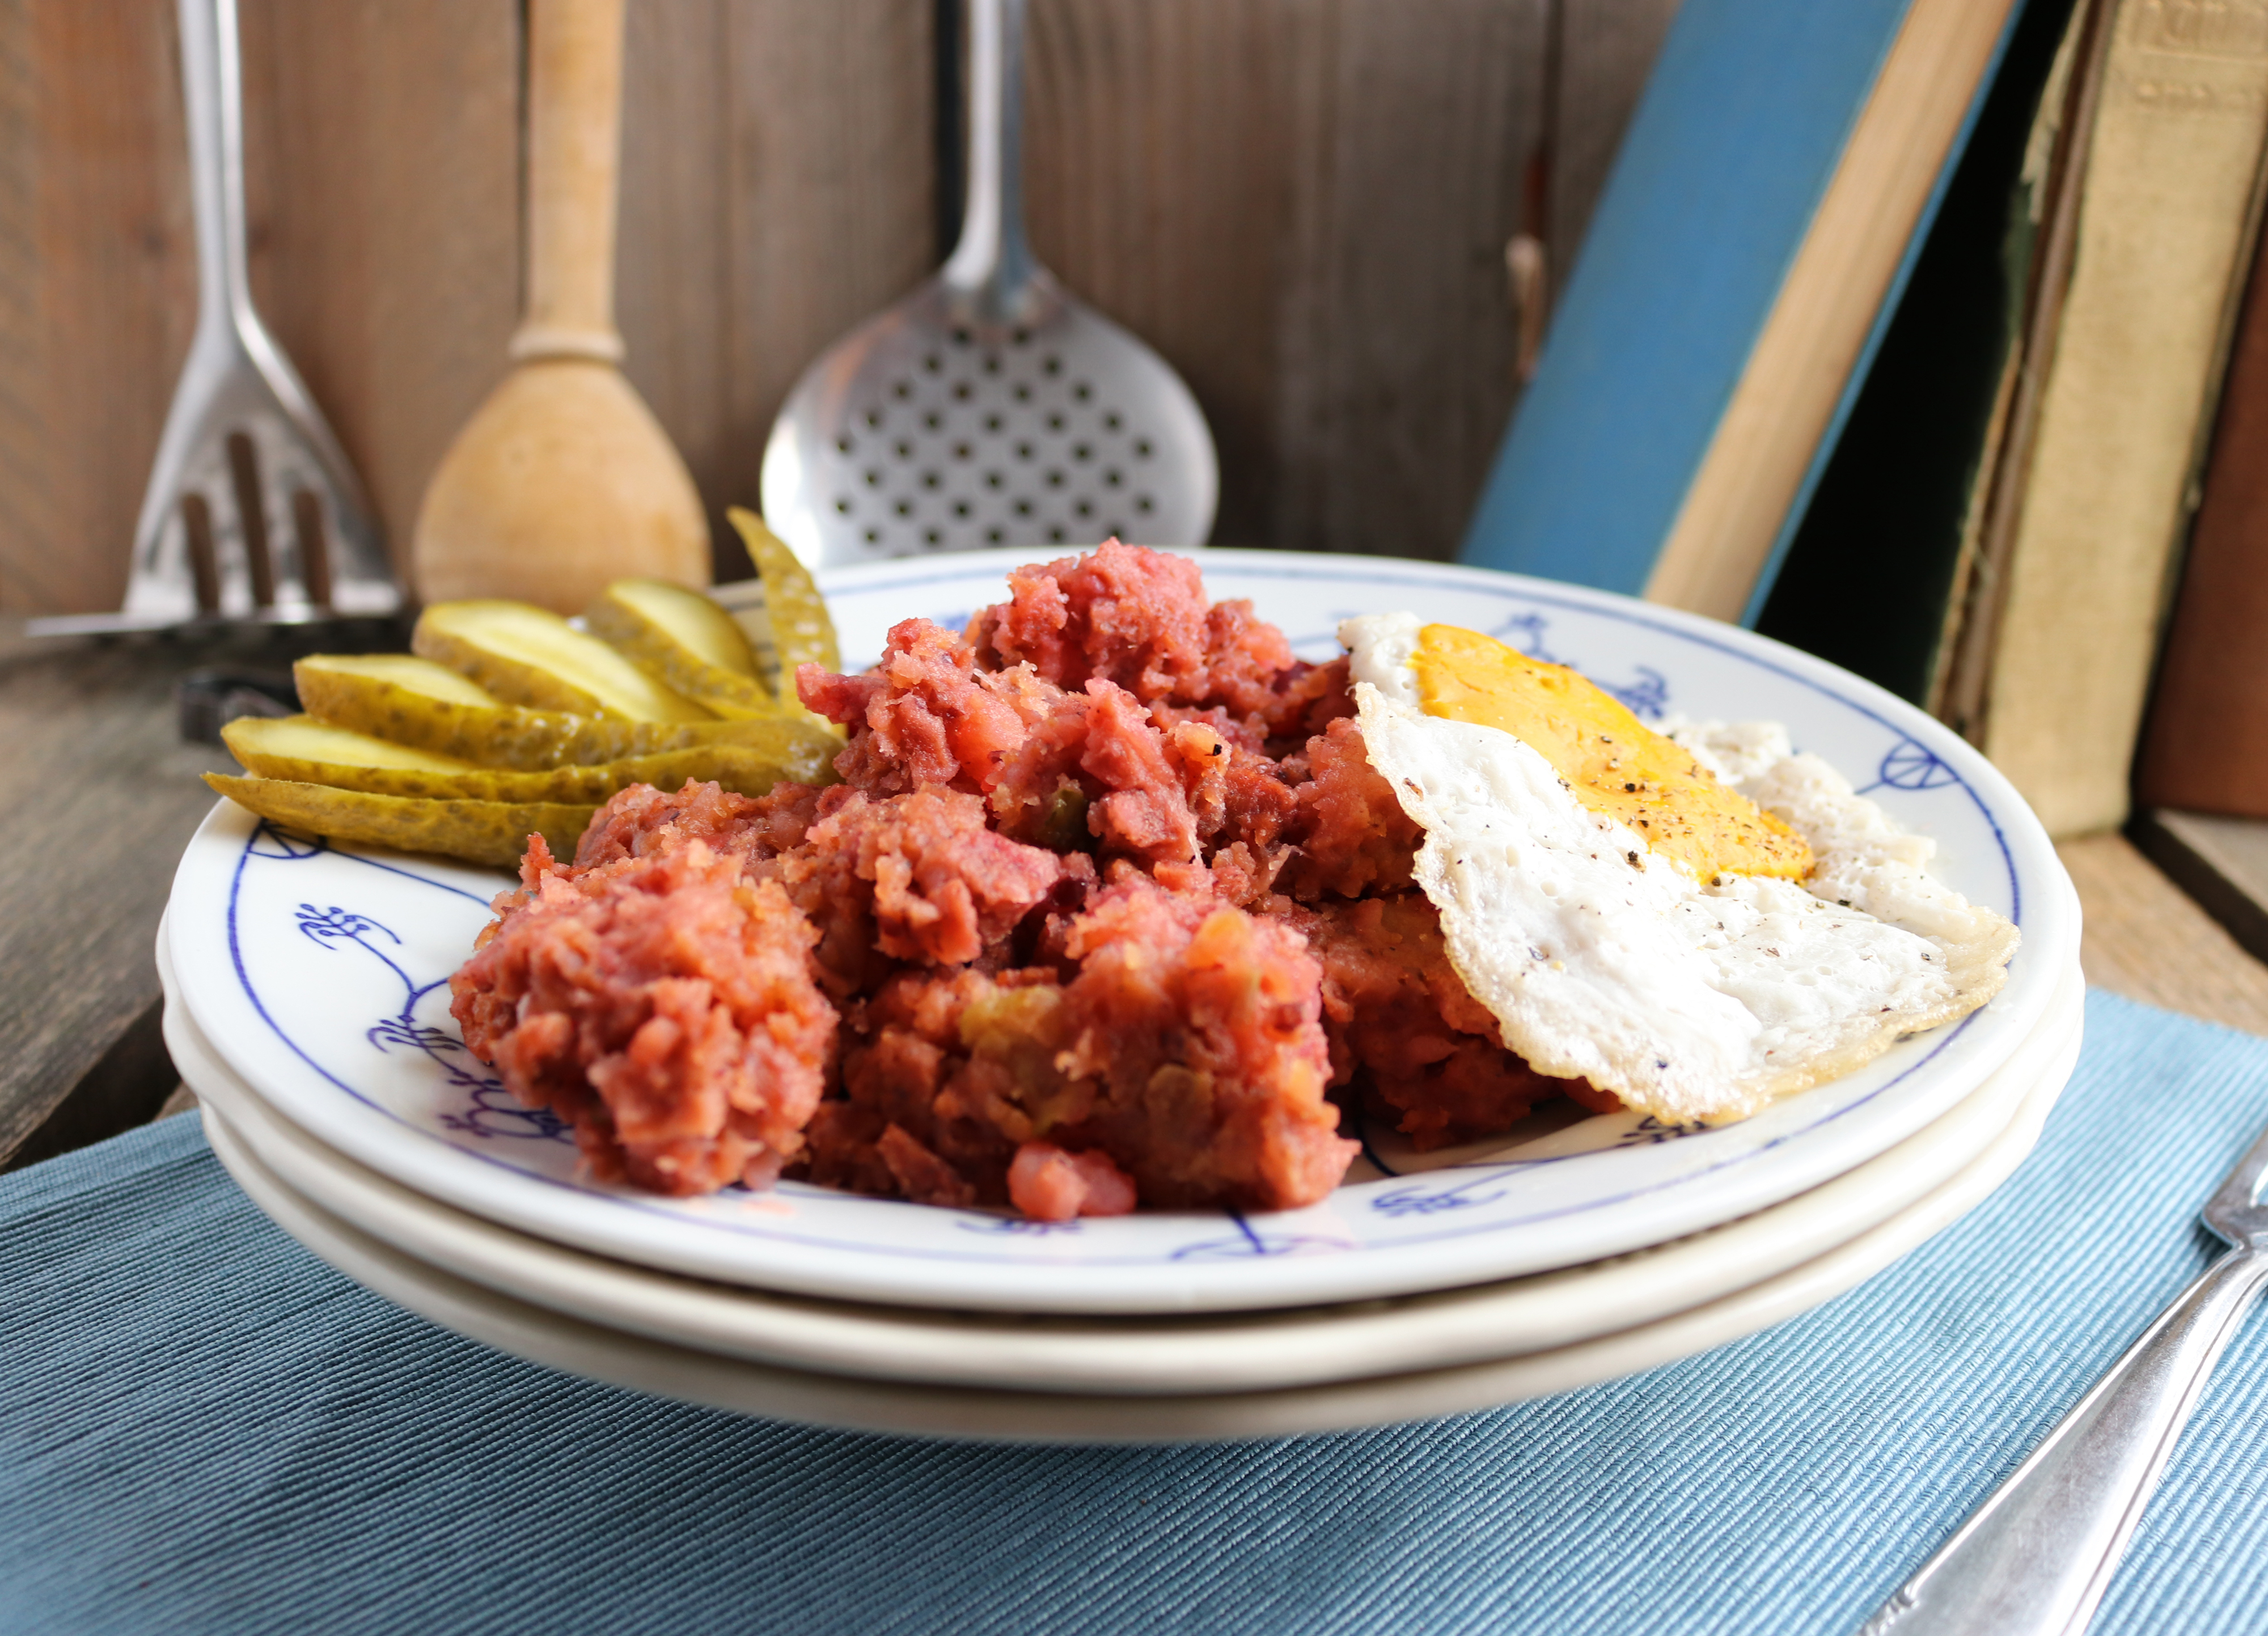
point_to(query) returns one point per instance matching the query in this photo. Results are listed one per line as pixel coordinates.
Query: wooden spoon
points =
(563, 480)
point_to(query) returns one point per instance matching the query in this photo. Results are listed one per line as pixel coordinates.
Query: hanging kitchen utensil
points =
(988, 408)
(252, 512)
(563, 480)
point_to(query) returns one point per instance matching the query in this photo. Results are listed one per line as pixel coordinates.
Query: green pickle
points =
(802, 631)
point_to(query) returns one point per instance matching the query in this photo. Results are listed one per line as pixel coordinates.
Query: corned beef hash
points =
(1116, 902)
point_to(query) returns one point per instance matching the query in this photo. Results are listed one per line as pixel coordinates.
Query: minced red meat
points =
(1401, 1019)
(910, 877)
(1198, 1028)
(1139, 620)
(663, 1005)
(1050, 1184)
(1185, 1046)
(1353, 837)
(643, 819)
(1089, 765)
(1108, 902)
(926, 714)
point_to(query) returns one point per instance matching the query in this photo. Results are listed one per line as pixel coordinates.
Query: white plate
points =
(645, 1365)
(1152, 1355)
(321, 974)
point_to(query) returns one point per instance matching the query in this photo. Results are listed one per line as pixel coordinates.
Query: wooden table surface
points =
(99, 796)
(1304, 207)
(2144, 938)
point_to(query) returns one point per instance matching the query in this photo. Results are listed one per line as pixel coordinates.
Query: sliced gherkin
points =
(683, 641)
(493, 833)
(802, 631)
(530, 655)
(299, 749)
(426, 707)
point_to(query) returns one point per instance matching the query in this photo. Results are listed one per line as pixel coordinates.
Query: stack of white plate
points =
(308, 1005)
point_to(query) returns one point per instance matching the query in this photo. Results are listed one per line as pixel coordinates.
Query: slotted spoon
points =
(253, 512)
(988, 408)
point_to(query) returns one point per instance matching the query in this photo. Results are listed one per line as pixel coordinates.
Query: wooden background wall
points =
(1302, 203)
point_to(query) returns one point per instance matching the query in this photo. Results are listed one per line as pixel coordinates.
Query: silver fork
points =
(252, 512)
(2035, 1558)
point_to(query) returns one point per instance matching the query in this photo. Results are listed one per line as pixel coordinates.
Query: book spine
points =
(2206, 748)
(2163, 218)
(1798, 382)
(1745, 117)
(1964, 668)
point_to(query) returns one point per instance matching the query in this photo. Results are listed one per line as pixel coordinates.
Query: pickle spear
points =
(684, 642)
(264, 743)
(802, 631)
(299, 749)
(417, 703)
(492, 833)
(530, 655)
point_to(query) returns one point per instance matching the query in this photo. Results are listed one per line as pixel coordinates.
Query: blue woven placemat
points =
(203, 1428)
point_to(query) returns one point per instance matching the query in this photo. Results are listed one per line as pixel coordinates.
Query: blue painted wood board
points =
(1719, 179)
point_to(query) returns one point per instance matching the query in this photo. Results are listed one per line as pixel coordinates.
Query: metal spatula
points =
(988, 408)
(253, 512)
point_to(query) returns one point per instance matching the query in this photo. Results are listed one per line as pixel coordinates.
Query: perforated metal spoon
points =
(988, 408)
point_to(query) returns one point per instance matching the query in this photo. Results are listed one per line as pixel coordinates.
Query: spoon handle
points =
(992, 262)
(2035, 1558)
(574, 151)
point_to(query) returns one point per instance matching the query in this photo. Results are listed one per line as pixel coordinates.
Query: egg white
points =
(1696, 1001)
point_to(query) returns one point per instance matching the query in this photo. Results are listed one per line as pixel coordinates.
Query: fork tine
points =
(251, 518)
(204, 565)
(241, 421)
(315, 549)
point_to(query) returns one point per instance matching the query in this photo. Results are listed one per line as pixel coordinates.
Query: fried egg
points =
(1698, 921)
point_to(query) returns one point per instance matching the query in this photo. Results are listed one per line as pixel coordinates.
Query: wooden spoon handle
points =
(574, 150)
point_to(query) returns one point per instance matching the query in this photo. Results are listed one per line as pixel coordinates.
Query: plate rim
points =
(2051, 922)
(1137, 1356)
(659, 1368)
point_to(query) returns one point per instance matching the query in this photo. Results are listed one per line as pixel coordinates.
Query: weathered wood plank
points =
(382, 177)
(2141, 937)
(2221, 861)
(1413, 125)
(382, 185)
(779, 186)
(1302, 202)
(1157, 179)
(672, 262)
(97, 797)
(96, 284)
(1304, 207)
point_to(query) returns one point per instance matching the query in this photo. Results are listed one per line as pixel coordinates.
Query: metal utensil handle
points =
(993, 261)
(2035, 1558)
(212, 90)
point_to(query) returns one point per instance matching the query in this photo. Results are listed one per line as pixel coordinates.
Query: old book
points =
(2064, 127)
(1887, 537)
(1766, 206)
(2051, 680)
(1963, 663)
(2205, 749)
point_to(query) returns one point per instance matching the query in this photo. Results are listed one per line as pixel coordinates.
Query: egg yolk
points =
(1616, 764)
